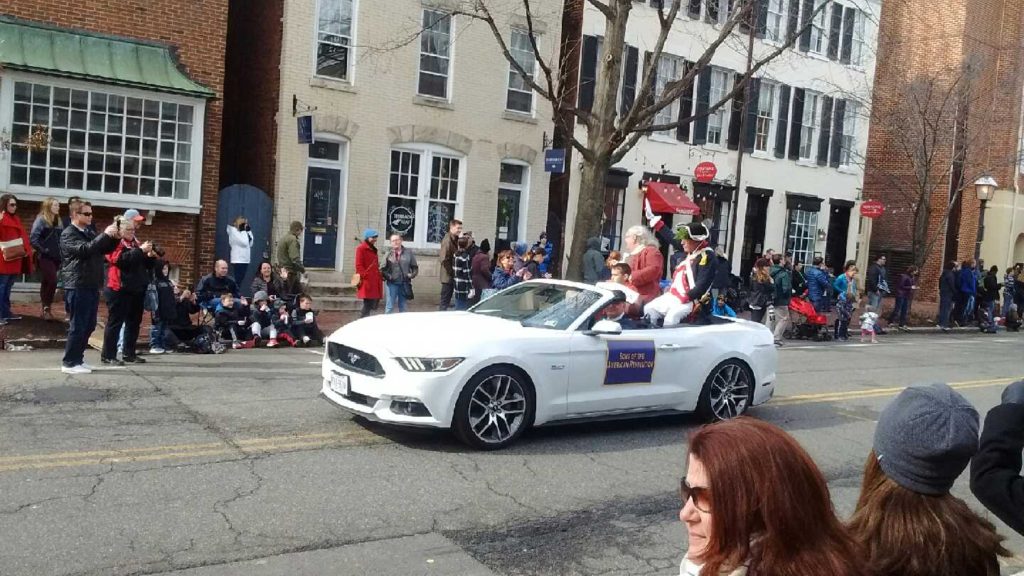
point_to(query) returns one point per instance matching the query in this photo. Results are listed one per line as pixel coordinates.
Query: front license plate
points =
(339, 384)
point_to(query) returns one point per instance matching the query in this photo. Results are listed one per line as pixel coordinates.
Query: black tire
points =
(489, 387)
(710, 405)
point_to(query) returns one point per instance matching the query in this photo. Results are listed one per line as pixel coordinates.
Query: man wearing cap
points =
(692, 279)
(289, 258)
(616, 311)
(371, 284)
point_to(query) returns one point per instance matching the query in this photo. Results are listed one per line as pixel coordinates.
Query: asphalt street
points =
(232, 465)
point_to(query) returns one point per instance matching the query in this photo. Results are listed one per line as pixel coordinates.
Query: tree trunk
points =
(589, 213)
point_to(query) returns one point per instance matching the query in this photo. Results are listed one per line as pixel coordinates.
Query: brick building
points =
(919, 42)
(128, 92)
(408, 130)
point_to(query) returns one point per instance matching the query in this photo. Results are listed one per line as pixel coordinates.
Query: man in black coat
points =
(996, 468)
(82, 272)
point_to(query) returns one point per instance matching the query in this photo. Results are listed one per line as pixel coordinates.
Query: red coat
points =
(371, 286)
(646, 269)
(10, 229)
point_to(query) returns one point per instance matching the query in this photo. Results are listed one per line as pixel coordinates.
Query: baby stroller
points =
(807, 323)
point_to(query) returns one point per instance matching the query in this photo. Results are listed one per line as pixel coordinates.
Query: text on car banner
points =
(630, 362)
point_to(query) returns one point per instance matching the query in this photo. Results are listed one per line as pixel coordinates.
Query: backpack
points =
(207, 342)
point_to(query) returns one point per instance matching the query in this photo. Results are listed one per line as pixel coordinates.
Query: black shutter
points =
(744, 25)
(782, 122)
(796, 124)
(693, 9)
(837, 132)
(794, 18)
(711, 13)
(826, 130)
(752, 101)
(629, 79)
(685, 106)
(700, 125)
(588, 73)
(834, 32)
(762, 18)
(805, 37)
(651, 96)
(733, 141)
(656, 3)
(849, 19)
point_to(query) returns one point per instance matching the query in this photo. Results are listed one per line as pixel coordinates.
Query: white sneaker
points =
(305, 339)
(87, 366)
(157, 350)
(80, 369)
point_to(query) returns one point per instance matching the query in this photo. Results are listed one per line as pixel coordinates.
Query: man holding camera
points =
(82, 272)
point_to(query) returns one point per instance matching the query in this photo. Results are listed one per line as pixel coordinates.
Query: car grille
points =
(355, 360)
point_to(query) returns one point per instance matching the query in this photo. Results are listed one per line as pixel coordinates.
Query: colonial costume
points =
(691, 280)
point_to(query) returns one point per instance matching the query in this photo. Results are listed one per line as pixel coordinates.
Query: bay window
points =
(425, 190)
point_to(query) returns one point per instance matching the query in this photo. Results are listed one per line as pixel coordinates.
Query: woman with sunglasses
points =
(754, 503)
(16, 258)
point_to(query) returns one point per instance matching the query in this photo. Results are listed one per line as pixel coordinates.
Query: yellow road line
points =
(876, 392)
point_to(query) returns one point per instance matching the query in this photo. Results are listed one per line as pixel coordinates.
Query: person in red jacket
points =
(645, 261)
(371, 283)
(12, 267)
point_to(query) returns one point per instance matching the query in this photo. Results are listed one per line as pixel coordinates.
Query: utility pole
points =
(752, 24)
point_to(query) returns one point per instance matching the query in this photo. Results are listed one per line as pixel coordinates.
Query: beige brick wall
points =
(380, 107)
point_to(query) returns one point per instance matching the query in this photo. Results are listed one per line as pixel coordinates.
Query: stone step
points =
(330, 289)
(337, 303)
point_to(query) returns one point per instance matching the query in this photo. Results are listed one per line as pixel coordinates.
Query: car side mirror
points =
(605, 327)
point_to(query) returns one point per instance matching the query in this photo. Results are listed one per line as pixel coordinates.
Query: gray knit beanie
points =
(926, 437)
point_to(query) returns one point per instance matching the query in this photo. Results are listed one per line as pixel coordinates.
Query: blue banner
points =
(630, 362)
(305, 125)
(554, 160)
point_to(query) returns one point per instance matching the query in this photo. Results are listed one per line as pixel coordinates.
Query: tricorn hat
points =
(692, 231)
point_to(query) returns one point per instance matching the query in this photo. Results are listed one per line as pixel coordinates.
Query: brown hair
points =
(761, 274)
(623, 268)
(46, 214)
(614, 255)
(505, 254)
(909, 534)
(775, 510)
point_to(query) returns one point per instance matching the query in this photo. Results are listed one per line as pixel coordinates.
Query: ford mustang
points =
(542, 352)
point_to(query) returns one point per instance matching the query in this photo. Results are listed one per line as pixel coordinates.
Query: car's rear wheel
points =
(727, 393)
(494, 409)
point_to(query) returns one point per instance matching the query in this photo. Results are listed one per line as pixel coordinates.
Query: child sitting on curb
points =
(263, 320)
(230, 321)
(304, 327)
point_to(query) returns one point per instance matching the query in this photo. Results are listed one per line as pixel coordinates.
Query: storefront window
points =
(614, 208)
(802, 231)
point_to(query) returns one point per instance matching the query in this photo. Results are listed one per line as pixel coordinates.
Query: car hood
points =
(425, 333)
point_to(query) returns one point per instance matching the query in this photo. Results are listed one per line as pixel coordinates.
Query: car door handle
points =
(670, 347)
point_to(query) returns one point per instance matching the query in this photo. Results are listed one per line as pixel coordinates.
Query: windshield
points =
(540, 305)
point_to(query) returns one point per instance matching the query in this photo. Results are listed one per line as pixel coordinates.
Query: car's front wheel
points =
(728, 392)
(494, 409)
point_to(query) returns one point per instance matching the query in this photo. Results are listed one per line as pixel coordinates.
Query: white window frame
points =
(714, 95)
(513, 74)
(809, 128)
(857, 49)
(524, 194)
(341, 165)
(350, 75)
(723, 10)
(667, 63)
(427, 153)
(777, 12)
(765, 127)
(847, 153)
(450, 57)
(801, 234)
(819, 30)
(189, 205)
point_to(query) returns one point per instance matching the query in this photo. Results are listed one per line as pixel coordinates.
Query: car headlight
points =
(413, 364)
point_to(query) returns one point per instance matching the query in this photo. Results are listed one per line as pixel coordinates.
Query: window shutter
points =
(837, 132)
(762, 18)
(651, 96)
(711, 13)
(805, 37)
(753, 94)
(834, 32)
(629, 79)
(693, 9)
(782, 122)
(793, 18)
(685, 106)
(796, 124)
(733, 142)
(656, 3)
(849, 19)
(825, 130)
(588, 73)
(700, 125)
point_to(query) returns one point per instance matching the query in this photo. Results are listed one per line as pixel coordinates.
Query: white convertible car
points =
(538, 353)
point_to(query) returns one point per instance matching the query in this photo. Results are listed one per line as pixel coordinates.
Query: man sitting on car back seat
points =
(691, 283)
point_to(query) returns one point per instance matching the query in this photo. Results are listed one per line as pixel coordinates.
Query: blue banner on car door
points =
(630, 362)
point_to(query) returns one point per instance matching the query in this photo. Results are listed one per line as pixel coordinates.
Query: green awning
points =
(34, 47)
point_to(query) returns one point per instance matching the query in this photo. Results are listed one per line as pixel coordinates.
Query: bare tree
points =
(610, 132)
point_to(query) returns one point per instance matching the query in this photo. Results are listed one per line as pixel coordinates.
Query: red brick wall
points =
(197, 29)
(915, 38)
(251, 86)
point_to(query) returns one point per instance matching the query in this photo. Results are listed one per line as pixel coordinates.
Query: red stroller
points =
(806, 322)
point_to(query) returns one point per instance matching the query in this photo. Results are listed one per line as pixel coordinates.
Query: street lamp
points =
(985, 187)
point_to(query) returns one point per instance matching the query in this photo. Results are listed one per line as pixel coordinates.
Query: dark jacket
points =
(129, 268)
(230, 316)
(947, 284)
(990, 288)
(82, 257)
(446, 257)
(480, 272)
(968, 285)
(501, 279)
(819, 287)
(799, 282)
(876, 280)
(45, 239)
(783, 278)
(166, 306)
(593, 261)
(723, 274)
(463, 272)
(273, 288)
(210, 287)
(995, 469)
(402, 270)
(704, 265)
(905, 289)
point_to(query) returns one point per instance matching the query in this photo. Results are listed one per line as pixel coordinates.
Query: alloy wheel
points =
(730, 391)
(497, 409)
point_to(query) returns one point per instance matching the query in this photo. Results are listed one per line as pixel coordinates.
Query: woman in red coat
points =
(10, 269)
(371, 283)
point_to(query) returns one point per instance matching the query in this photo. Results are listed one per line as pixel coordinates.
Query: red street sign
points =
(872, 209)
(705, 172)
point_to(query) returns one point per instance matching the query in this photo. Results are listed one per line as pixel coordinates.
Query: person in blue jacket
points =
(819, 288)
(547, 247)
(846, 300)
